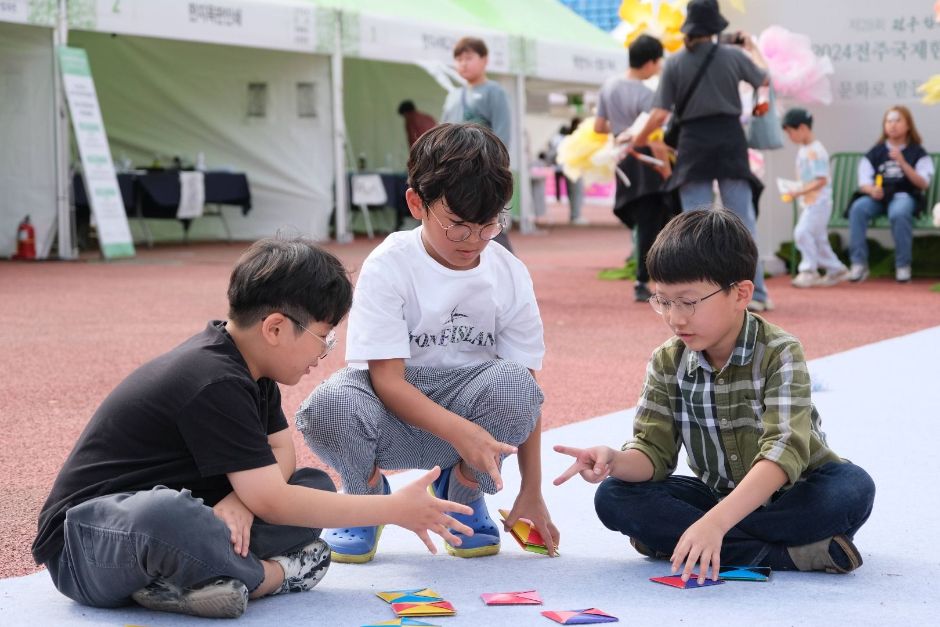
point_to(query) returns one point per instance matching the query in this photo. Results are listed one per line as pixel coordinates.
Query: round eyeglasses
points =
(329, 343)
(460, 232)
(684, 307)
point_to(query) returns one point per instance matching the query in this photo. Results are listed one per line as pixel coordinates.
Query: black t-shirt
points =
(183, 420)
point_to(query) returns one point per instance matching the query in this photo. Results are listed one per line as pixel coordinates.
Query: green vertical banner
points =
(101, 185)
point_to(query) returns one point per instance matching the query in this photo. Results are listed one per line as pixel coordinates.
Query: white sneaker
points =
(858, 273)
(807, 279)
(835, 276)
(305, 568)
(580, 221)
(223, 597)
(759, 306)
(902, 274)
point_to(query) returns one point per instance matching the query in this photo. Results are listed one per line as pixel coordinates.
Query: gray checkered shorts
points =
(348, 427)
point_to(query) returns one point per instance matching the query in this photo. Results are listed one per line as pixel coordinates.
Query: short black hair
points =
(473, 44)
(293, 276)
(406, 106)
(644, 49)
(797, 116)
(465, 164)
(707, 244)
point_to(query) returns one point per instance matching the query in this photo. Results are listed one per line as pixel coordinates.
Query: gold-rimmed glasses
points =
(685, 307)
(460, 232)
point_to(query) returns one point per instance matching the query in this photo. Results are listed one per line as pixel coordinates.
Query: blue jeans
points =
(900, 214)
(117, 544)
(736, 195)
(834, 499)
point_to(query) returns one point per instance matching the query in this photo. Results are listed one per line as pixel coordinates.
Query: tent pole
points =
(526, 219)
(343, 234)
(61, 138)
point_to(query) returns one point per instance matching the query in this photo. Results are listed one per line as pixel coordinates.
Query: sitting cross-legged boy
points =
(734, 390)
(182, 494)
(443, 335)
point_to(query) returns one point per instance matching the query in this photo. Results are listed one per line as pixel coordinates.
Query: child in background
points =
(734, 390)
(810, 234)
(444, 334)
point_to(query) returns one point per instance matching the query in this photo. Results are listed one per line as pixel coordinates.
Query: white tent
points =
(245, 82)
(533, 44)
(28, 170)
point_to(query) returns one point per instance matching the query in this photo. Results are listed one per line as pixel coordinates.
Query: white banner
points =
(101, 184)
(282, 26)
(387, 39)
(36, 12)
(590, 66)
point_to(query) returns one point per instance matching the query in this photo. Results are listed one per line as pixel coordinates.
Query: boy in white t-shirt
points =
(444, 335)
(811, 234)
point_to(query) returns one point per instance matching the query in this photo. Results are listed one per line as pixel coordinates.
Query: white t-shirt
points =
(408, 306)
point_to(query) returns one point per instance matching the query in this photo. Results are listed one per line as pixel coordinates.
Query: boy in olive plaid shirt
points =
(735, 391)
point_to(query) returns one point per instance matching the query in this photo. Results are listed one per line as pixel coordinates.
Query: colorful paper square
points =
(410, 622)
(744, 573)
(434, 608)
(414, 595)
(524, 597)
(588, 616)
(676, 582)
(526, 535)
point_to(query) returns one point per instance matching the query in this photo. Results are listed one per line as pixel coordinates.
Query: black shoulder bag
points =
(671, 134)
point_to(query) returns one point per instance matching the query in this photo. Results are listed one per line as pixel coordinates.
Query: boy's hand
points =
(592, 463)
(416, 510)
(482, 451)
(238, 518)
(878, 193)
(701, 543)
(530, 505)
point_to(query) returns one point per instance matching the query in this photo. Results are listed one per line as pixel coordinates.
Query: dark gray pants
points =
(117, 544)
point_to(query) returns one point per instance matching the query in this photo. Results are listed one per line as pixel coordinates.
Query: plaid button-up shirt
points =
(756, 407)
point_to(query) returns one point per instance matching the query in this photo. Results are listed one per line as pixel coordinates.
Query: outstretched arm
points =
(265, 493)
(530, 504)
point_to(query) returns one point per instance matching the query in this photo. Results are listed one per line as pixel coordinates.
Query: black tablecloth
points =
(158, 193)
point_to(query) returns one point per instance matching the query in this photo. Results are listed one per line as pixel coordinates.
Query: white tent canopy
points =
(175, 81)
(27, 116)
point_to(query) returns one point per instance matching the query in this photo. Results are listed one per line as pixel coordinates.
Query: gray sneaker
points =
(223, 597)
(305, 568)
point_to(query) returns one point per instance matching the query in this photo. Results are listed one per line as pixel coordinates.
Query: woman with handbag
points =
(699, 85)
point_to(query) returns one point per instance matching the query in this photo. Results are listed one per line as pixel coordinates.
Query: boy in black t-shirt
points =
(181, 494)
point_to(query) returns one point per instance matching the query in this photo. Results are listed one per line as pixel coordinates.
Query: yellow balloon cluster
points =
(664, 25)
(587, 155)
(930, 89)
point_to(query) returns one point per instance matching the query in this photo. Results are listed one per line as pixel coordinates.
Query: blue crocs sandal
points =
(355, 545)
(485, 538)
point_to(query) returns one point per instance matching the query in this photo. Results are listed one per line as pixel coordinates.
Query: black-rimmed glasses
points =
(460, 232)
(329, 343)
(685, 307)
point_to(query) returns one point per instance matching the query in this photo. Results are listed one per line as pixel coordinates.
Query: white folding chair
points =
(367, 189)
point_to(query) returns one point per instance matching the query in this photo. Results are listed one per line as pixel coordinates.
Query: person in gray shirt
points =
(481, 101)
(641, 205)
(712, 145)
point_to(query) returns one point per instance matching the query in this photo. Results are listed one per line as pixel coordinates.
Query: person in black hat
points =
(711, 145)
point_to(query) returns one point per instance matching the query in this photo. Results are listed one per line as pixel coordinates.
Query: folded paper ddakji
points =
(526, 535)
(524, 597)
(589, 616)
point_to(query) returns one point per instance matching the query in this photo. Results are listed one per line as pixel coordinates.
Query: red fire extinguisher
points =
(25, 240)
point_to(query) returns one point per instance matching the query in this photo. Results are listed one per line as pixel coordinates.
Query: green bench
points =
(844, 167)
